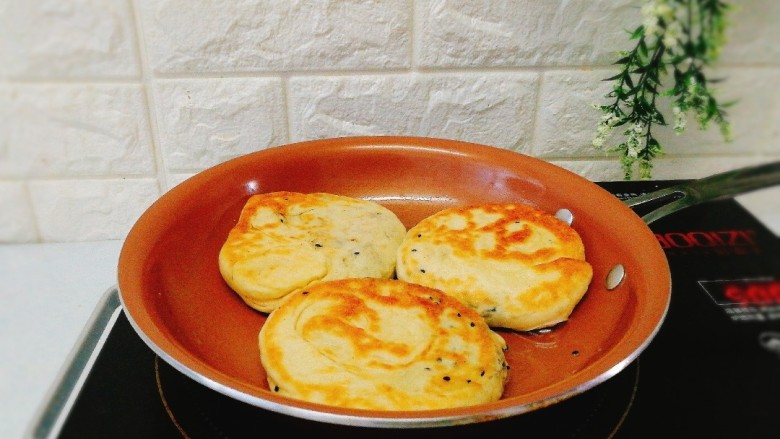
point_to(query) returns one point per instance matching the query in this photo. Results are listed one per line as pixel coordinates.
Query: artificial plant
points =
(676, 42)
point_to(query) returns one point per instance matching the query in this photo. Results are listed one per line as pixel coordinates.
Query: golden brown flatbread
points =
(285, 241)
(521, 268)
(381, 344)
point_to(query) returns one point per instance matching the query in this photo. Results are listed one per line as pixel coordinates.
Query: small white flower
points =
(651, 26)
(664, 11)
(672, 35)
(633, 141)
(609, 120)
(679, 120)
(692, 84)
(648, 9)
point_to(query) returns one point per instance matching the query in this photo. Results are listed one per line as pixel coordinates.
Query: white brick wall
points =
(105, 104)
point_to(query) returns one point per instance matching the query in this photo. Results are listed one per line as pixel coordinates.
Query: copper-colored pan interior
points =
(175, 297)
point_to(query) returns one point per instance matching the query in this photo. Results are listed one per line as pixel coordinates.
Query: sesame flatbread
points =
(521, 268)
(381, 344)
(286, 241)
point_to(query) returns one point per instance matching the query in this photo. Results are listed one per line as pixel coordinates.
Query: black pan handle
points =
(658, 204)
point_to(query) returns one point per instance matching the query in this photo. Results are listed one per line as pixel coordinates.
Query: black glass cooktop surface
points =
(713, 370)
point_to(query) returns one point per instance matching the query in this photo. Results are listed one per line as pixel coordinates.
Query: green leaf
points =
(659, 118)
(629, 81)
(642, 46)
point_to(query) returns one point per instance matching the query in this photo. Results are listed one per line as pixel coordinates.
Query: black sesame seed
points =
(414, 250)
(276, 388)
(468, 381)
(472, 324)
(575, 353)
(419, 235)
(446, 378)
(458, 314)
(357, 253)
(482, 374)
(318, 245)
(422, 270)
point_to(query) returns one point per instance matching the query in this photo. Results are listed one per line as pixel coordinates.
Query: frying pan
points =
(176, 300)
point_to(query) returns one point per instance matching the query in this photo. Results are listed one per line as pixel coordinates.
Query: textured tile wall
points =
(104, 105)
